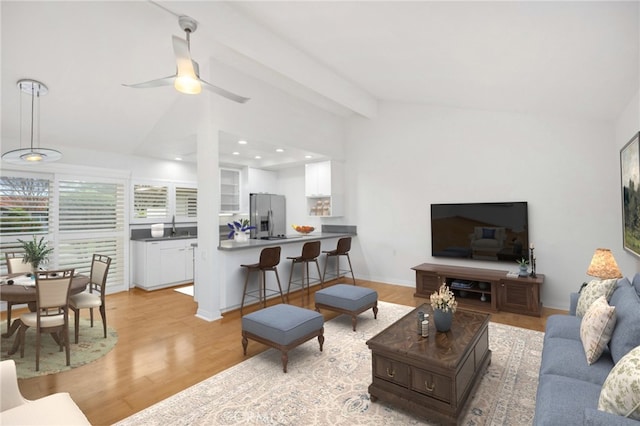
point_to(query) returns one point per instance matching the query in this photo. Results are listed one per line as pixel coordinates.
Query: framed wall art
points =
(630, 173)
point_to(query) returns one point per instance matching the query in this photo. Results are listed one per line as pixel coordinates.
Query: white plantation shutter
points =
(90, 206)
(24, 206)
(150, 202)
(186, 202)
(91, 220)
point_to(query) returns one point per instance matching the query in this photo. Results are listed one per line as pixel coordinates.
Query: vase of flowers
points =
(240, 230)
(444, 305)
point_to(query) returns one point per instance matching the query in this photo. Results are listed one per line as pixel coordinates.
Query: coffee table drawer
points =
(431, 384)
(392, 371)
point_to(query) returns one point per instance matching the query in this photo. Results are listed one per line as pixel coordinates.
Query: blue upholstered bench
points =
(282, 327)
(347, 299)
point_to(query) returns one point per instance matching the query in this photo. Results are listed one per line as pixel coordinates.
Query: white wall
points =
(413, 155)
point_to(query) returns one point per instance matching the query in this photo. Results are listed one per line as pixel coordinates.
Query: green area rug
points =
(331, 387)
(91, 346)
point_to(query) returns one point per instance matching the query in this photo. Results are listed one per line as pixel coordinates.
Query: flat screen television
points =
(480, 231)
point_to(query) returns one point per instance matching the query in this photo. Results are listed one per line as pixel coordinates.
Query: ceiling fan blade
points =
(183, 57)
(166, 81)
(225, 93)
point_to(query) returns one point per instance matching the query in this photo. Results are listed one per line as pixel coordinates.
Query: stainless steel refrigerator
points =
(267, 213)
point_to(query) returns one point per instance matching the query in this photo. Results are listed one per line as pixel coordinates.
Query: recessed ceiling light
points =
(178, 158)
(279, 150)
(257, 157)
(242, 142)
(235, 153)
(308, 156)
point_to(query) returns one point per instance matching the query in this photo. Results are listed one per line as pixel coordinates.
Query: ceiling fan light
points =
(187, 84)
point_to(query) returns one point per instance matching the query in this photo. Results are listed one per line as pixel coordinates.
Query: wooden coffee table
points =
(433, 376)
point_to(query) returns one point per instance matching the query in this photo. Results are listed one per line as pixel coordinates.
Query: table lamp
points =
(603, 265)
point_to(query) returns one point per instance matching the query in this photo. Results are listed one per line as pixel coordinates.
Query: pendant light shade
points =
(34, 154)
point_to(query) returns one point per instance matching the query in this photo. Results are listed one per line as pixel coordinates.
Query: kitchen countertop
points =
(231, 245)
(167, 238)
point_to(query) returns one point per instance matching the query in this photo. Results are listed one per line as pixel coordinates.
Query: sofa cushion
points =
(596, 328)
(565, 357)
(562, 400)
(564, 326)
(626, 335)
(592, 291)
(621, 391)
(636, 282)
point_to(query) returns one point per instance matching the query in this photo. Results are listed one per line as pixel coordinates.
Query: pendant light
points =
(33, 154)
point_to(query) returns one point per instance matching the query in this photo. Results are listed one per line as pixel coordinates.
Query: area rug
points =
(91, 346)
(188, 290)
(330, 387)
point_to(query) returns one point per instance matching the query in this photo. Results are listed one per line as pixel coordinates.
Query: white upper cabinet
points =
(318, 179)
(323, 188)
(229, 190)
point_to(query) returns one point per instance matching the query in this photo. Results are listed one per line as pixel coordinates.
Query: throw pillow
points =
(596, 328)
(592, 291)
(620, 392)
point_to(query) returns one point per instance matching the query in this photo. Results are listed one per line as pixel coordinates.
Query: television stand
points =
(482, 289)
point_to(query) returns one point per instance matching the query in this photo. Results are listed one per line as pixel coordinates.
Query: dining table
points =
(21, 289)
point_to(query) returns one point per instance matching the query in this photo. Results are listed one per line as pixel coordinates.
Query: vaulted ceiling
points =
(571, 59)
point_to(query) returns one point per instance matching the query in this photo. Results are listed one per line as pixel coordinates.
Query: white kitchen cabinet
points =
(230, 190)
(323, 188)
(164, 263)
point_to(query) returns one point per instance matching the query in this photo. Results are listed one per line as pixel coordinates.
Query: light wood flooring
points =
(163, 348)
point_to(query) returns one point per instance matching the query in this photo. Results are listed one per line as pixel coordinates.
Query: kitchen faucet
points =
(173, 225)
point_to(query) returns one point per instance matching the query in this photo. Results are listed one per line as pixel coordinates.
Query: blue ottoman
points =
(347, 299)
(282, 327)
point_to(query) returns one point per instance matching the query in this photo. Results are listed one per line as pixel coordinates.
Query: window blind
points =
(150, 201)
(186, 202)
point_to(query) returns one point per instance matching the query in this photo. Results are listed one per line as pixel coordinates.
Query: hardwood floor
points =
(163, 348)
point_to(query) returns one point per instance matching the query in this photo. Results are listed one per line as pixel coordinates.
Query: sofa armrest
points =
(573, 303)
(56, 409)
(593, 417)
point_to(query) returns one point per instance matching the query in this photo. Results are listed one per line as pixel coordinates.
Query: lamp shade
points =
(603, 265)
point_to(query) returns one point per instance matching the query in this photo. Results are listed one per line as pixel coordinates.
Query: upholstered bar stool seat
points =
(347, 299)
(282, 327)
(310, 253)
(269, 260)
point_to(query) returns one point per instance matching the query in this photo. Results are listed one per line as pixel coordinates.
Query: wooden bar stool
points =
(269, 260)
(344, 245)
(310, 253)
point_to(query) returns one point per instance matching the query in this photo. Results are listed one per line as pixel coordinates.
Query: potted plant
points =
(524, 267)
(35, 252)
(444, 305)
(239, 230)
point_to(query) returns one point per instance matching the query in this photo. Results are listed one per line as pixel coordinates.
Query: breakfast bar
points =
(233, 254)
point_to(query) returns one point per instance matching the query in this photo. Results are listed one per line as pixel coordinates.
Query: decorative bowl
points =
(303, 229)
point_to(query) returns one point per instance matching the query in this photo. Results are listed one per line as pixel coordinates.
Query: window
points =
(150, 202)
(77, 217)
(186, 202)
(24, 206)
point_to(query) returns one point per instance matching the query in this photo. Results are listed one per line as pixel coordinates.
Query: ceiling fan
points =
(187, 77)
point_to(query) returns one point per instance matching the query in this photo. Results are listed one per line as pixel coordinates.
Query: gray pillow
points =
(626, 335)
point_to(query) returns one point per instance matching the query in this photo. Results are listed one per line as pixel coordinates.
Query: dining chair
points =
(95, 296)
(15, 265)
(52, 311)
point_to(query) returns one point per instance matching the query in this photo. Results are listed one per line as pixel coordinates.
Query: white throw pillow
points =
(592, 291)
(596, 328)
(620, 392)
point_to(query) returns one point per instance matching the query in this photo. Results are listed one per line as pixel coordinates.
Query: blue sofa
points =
(569, 388)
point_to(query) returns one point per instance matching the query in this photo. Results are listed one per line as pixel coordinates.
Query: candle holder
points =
(532, 259)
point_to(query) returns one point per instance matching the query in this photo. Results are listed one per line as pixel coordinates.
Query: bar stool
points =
(269, 260)
(344, 245)
(310, 253)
